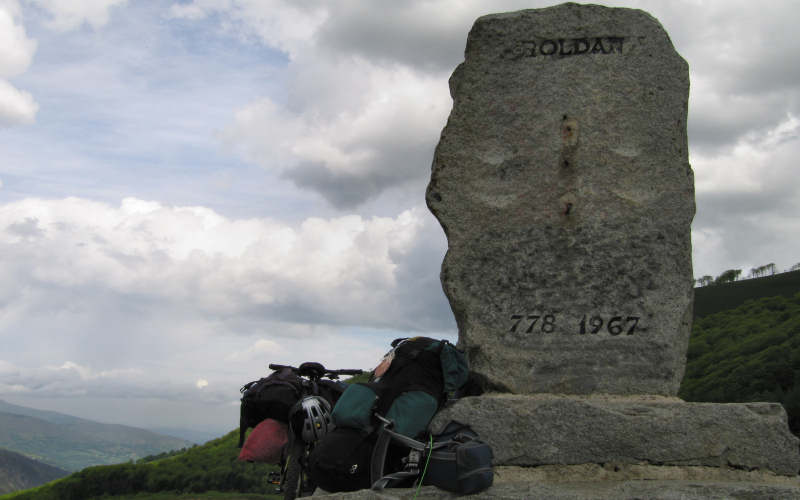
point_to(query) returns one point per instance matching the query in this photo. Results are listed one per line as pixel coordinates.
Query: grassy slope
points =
(210, 467)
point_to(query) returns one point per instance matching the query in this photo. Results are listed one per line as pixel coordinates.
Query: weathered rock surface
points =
(549, 429)
(562, 182)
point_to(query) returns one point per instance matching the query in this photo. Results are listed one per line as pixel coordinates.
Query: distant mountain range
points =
(192, 435)
(73, 443)
(18, 472)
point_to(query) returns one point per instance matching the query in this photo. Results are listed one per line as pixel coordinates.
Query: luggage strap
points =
(385, 437)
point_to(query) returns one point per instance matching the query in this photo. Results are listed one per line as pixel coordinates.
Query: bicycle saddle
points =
(311, 369)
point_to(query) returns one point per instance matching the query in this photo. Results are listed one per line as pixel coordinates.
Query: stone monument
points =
(562, 181)
(563, 185)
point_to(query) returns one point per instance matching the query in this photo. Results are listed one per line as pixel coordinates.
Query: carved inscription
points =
(590, 324)
(565, 47)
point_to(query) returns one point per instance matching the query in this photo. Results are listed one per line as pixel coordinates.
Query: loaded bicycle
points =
(309, 419)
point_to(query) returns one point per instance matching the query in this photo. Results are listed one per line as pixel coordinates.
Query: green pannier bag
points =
(455, 370)
(411, 411)
(355, 406)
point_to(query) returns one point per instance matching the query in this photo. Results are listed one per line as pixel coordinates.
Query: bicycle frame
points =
(294, 481)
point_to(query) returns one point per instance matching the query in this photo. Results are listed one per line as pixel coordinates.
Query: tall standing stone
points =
(563, 185)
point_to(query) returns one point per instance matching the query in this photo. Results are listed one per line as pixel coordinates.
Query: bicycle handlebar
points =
(325, 372)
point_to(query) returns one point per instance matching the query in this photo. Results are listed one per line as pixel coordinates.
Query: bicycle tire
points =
(291, 488)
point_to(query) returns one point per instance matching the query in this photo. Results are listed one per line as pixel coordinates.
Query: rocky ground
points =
(594, 482)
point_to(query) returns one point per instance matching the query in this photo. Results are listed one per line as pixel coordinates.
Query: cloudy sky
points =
(191, 190)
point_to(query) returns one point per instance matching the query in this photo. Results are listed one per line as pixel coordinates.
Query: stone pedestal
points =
(646, 430)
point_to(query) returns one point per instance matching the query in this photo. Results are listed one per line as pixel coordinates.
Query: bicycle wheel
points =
(292, 487)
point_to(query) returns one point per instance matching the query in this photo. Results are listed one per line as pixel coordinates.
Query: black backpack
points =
(417, 366)
(268, 397)
(422, 373)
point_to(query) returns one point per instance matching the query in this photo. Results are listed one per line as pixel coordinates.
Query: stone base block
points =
(564, 430)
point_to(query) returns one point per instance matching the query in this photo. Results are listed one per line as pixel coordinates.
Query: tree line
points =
(732, 275)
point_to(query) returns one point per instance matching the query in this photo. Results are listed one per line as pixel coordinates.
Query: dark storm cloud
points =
(394, 164)
(740, 55)
(414, 34)
(420, 296)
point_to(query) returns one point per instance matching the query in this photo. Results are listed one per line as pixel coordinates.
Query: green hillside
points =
(210, 467)
(18, 472)
(750, 353)
(73, 443)
(711, 299)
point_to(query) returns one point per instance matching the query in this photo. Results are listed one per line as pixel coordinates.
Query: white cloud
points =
(16, 53)
(324, 270)
(746, 209)
(17, 107)
(7, 368)
(68, 15)
(128, 301)
(283, 24)
(16, 49)
(754, 164)
(73, 379)
(260, 349)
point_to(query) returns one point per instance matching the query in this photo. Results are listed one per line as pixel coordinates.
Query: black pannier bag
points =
(340, 460)
(269, 397)
(460, 461)
(455, 460)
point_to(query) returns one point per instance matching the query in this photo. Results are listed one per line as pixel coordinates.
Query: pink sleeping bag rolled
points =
(265, 442)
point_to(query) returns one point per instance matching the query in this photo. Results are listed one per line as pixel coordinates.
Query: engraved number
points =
(635, 320)
(614, 327)
(549, 324)
(535, 319)
(588, 324)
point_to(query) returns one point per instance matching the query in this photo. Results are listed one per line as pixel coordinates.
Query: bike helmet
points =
(310, 418)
